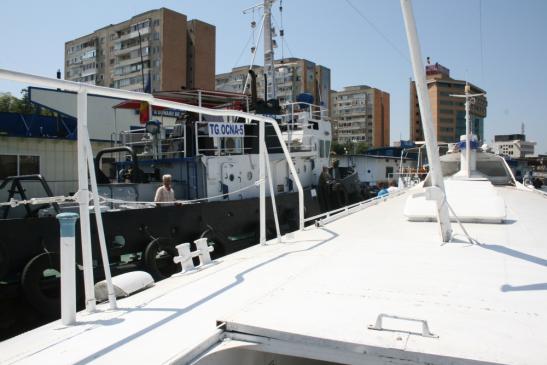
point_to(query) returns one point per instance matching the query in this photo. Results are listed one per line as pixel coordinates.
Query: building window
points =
(8, 166)
(11, 165)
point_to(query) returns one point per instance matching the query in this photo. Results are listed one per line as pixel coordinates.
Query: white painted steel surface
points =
(323, 287)
(430, 136)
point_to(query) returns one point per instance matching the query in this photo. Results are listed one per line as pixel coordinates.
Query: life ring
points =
(43, 293)
(158, 258)
(213, 240)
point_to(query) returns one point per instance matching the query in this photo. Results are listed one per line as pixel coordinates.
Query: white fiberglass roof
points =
(326, 285)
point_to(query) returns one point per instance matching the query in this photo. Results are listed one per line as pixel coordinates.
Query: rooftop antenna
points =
(436, 191)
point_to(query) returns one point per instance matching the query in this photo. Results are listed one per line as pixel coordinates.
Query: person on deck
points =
(325, 180)
(165, 193)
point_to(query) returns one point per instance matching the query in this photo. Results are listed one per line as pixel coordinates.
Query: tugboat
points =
(213, 162)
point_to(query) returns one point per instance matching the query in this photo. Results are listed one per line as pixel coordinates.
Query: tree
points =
(361, 148)
(337, 148)
(11, 104)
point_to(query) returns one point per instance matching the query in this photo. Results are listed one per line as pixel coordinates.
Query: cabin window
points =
(389, 172)
(8, 166)
(11, 165)
(321, 148)
(29, 165)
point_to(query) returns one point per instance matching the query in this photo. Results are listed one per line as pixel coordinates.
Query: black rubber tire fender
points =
(4, 261)
(31, 279)
(213, 240)
(150, 258)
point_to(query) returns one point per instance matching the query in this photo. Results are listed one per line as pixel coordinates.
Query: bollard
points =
(67, 222)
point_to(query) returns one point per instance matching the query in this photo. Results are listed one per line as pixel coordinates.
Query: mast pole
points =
(427, 120)
(467, 131)
(466, 166)
(269, 67)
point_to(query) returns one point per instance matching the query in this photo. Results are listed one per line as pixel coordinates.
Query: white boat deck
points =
(326, 285)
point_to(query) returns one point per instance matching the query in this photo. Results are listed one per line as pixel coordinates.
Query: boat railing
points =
(315, 112)
(147, 145)
(407, 179)
(87, 177)
(332, 215)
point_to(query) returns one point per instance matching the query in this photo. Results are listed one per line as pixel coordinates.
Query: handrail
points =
(85, 163)
(133, 95)
(330, 215)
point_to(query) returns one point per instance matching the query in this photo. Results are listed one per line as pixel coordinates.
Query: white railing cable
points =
(182, 202)
(132, 95)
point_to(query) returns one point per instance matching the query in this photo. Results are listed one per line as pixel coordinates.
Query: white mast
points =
(269, 67)
(427, 122)
(467, 164)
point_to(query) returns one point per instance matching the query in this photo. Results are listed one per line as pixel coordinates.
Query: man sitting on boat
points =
(165, 193)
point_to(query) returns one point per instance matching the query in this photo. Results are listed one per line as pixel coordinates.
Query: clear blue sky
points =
(512, 69)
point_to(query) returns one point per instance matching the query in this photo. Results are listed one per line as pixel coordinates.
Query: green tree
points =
(23, 105)
(337, 148)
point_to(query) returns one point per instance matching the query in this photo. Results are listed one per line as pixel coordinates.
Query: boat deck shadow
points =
(509, 288)
(516, 254)
(177, 312)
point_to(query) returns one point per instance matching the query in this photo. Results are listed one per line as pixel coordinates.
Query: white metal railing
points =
(86, 165)
(314, 111)
(407, 179)
(146, 145)
(352, 208)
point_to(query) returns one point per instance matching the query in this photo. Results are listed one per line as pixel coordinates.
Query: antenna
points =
(469, 99)
(269, 44)
(269, 66)
(522, 128)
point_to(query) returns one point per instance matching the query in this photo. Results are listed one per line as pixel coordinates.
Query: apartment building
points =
(513, 145)
(361, 114)
(448, 112)
(159, 50)
(294, 76)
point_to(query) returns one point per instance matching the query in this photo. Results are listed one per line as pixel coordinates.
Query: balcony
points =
(129, 61)
(135, 47)
(134, 34)
(88, 72)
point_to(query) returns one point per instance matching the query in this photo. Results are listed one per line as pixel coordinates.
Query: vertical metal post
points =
(67, 222)
(427, 118)
(254, 56)
(294, 173)
(83, 198)
(184, 138)
(269, 64)
(99, 221)
(467, 132)
(261, 178)
(272, 193)
(199, 104)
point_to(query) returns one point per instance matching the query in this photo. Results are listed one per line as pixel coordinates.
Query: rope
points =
(13, 203)
(471, 239)
(377, 30)
(120, 201)
(74, 198)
